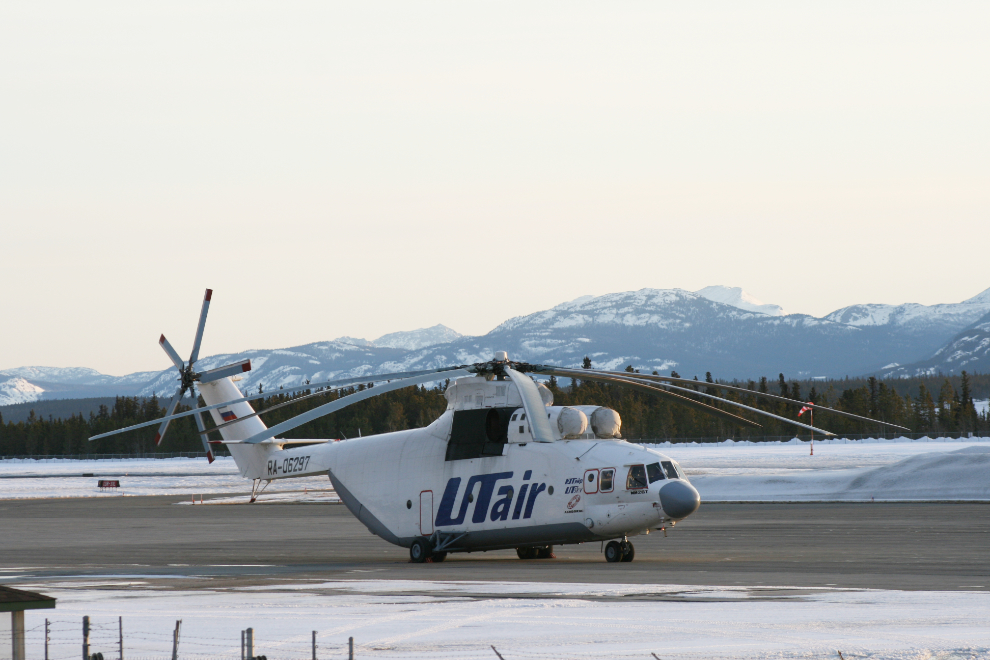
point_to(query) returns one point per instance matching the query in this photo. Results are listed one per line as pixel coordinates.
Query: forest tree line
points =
(933, 405)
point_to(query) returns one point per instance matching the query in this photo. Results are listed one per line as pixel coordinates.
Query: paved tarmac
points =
(927, 546)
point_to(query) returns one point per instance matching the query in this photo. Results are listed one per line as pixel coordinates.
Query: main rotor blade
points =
(582, 374)
(765, 395)
(172, 355)
(224, 371)
(343, 402)
(171, 409)
(536, 412)
(691, 403)
(202, 326)
(442, 372)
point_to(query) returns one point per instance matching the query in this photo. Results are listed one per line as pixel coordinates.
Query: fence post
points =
(314, 645)
(120, 627)
(242, 645)
(249, 638)
(350, 648)
(175, 640)
(47, 631)
(85, 638)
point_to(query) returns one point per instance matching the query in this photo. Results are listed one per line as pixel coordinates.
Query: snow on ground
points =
(419, 619)
(926, 469)
(856, 470)
(52, 478)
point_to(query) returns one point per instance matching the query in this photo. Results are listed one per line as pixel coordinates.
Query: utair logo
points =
(500, 510)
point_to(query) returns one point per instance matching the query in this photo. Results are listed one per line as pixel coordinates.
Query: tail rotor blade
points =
(202, 429)
(224, 371)
(202, 325)
(171, 409)
(172, 355)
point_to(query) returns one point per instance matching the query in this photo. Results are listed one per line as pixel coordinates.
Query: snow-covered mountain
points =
(719, 329)
(914, 317)
(410, 340)
(736, 297)
(18, 390)
(969, 350)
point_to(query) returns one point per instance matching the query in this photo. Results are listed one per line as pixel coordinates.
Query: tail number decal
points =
(287, 466)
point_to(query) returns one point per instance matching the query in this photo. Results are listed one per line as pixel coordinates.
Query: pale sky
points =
(361, 168)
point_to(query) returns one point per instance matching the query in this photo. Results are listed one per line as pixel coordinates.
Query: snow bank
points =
(963, 474)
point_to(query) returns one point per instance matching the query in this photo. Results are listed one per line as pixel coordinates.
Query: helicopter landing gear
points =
(439, 557)
(628, 551)
(544, 552)
(527, 553)
(616, 551)
(420, 550)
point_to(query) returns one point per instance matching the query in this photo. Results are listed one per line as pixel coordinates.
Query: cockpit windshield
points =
(636, 479)
(670, 469)
(655, 472)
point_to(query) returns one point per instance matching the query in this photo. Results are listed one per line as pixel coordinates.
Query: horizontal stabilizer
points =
(224, 371)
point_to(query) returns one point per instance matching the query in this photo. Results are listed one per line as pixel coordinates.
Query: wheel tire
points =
(439, 557)
(545, 553)
(526, 553)
(628, 551)
(613, 552)
(420, 550)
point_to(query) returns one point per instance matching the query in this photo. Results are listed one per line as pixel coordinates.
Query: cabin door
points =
(426, 512)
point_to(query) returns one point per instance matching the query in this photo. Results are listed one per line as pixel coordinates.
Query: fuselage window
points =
(637, 478)
(514, 417)
(523, 417)
(605, 480)
(654, 472)
(668, 467)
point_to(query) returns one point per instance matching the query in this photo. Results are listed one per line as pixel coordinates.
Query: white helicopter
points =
(501, 468)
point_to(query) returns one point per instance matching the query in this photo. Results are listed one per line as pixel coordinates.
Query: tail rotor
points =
(188, 376)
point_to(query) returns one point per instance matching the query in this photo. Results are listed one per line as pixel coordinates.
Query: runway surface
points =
(909, 546)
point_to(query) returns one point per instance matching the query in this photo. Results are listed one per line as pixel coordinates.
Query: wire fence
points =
(114, 639)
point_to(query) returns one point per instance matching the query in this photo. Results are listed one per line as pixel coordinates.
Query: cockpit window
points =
(654, 472)
(669, 468)
(637, 478)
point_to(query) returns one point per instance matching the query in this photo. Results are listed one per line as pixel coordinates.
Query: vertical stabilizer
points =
(218, 391)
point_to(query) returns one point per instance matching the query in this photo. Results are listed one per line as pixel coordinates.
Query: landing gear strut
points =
(616, 551)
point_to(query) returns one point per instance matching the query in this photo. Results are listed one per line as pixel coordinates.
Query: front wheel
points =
(628, 551)
(613, 552)
(420, 550)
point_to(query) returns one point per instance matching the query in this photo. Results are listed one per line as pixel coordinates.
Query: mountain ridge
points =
(650, 329)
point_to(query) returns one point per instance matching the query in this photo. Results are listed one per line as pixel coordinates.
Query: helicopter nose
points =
(679, 499)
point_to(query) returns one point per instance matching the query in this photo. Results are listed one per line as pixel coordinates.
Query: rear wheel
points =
(628, 551)
(420, 550)
(545, 553)
(613, 552)
(439, 557)
(527, 553)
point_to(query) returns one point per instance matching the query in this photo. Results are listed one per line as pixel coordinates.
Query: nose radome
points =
(679, 499)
